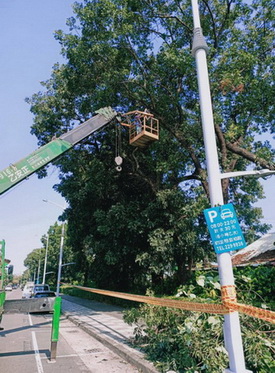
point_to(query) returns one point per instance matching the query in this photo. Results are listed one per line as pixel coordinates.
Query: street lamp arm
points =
(67, 264)
(54, 203)
(259, 173)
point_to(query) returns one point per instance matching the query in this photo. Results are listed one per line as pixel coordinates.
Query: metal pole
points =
(60, 260)
(45, 263)
(61, 248)
(232, 330)
(38, 272)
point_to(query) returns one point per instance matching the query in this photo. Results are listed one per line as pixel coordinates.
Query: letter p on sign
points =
(212, 215)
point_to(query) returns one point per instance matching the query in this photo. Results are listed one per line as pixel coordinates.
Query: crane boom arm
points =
(19, 171)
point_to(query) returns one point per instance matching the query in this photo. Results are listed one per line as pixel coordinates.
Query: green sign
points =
(33, 162)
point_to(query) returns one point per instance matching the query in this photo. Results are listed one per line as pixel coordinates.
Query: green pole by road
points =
(2, 256)
(55, 327)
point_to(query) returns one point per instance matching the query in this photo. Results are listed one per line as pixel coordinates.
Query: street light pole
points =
(232, 330)
(60, 250)
(46, 258)
(38, 272)
(60, 259)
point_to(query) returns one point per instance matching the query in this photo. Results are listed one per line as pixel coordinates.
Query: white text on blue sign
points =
(224, 228)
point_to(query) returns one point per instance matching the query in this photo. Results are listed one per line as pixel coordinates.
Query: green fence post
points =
(2, 298)
(2, 269)
(2, 302)
(55, 327)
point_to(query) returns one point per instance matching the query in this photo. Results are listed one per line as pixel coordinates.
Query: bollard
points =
(2, 298)
(55, 328)
(2, 302)
(3, 264)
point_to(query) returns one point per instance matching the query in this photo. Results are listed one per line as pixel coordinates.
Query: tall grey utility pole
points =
(232, 330)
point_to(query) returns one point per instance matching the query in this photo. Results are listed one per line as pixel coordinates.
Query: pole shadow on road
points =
(21, 353)
(9, 331)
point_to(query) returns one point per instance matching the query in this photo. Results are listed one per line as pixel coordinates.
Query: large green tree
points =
(128, 54)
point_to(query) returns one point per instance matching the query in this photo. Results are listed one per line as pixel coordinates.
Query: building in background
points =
(259, 252)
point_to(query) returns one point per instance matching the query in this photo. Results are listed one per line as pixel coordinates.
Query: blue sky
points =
(28, 52)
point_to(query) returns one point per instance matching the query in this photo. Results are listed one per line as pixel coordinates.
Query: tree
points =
(135, 55)
(34, 263)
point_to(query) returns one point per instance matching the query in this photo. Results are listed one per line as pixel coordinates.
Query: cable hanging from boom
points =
(118, 158)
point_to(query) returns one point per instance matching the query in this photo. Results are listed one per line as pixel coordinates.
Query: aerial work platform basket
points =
(143, 128)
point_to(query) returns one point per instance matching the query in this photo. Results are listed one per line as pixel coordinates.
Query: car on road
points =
(44, 294)
(38, 288)
(8, 288)
(43, 302)
(27, 290)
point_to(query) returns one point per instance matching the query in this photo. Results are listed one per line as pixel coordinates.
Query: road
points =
(25, 347)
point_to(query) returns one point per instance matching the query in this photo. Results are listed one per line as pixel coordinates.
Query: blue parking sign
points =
(224, 228)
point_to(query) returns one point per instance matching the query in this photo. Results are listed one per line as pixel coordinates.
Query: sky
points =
(28, 52)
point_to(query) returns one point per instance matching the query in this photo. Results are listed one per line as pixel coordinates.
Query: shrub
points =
(193, 342)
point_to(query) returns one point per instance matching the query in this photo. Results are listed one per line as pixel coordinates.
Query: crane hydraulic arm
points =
(19, 171)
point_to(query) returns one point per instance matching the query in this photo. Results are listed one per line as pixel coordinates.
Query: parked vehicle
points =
(44, 294)
(27, 290)
(43, 301)
(8, 288)
(39, 288)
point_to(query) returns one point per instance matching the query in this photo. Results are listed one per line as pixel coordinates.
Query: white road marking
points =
(36, 350)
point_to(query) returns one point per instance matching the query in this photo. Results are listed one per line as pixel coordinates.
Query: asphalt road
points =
(25, 347)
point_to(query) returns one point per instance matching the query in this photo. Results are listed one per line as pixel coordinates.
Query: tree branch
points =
(177, 19)
(250, 156)
(222, 143)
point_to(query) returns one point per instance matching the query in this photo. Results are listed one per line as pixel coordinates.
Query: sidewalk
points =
(105, 323)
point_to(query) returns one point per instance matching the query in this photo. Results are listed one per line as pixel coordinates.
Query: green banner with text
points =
(19, 171)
